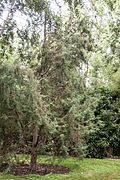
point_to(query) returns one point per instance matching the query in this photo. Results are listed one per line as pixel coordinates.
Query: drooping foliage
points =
(23, 115)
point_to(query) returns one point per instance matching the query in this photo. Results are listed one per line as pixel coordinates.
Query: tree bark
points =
(45, 27)
(33, 162)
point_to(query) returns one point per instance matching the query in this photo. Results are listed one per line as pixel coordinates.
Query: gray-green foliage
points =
(21, 106)
(65, 52)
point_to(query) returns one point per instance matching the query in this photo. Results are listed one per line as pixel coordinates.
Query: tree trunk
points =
(33, 162)
(109, 152)
(45, 27)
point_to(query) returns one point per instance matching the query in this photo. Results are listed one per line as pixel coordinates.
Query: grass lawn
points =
(90, 169)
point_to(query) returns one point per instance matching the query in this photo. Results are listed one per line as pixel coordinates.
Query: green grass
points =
(87, 169)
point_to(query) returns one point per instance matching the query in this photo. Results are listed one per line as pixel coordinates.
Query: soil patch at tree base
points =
(20, 169)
